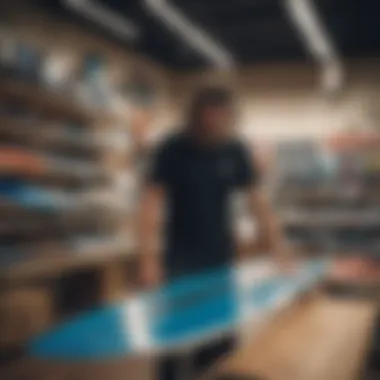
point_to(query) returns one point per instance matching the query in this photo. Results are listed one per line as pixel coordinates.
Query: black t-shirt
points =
(199, 183)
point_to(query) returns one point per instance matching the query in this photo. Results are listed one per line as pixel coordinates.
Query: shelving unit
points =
(30, 165)
(54, 262)
(333, 205)
(45, 136)
(47, 101)
(57, 166)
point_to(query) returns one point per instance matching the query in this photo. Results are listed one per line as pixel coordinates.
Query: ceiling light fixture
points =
(315, 36)
(192, 34)
(119, 25)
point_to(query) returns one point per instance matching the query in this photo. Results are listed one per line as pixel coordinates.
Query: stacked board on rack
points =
(333, 204)
(57, 155)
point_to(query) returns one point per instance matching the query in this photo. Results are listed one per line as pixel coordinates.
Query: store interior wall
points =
(285, 101)
(277, 101)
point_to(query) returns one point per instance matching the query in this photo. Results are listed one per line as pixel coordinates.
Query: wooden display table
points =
(319, 339)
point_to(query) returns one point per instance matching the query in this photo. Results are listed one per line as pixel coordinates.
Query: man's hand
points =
(271, 234)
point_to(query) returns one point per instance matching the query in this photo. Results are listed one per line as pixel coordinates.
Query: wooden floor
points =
(319, 339)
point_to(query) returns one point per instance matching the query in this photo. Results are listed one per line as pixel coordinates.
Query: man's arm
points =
(270, 231)
(151, 213)
(149, 232)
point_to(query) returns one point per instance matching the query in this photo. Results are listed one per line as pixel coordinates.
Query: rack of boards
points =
(67, 188)
(327, 193)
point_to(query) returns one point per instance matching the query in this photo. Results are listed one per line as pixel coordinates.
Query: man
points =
(193, 176)
(187, 194)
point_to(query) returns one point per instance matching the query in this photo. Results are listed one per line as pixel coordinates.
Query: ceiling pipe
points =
(316, 39)
(119, 25)
(196, 37)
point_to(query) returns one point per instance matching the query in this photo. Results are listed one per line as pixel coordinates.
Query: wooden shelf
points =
(31, 164)
(331, 220)
(52, 102)
(370, 196)
(37, 225)
(40, 134)
(52, 263)
(41, 130)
